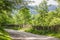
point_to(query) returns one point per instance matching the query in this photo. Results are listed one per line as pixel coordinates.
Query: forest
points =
(16, 15)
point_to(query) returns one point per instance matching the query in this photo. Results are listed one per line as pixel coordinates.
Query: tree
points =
(42, 10)
(58, 1)
(24, 15)
(42, 7)
(6, 7)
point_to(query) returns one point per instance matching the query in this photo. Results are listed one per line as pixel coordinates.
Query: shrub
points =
(4, 35)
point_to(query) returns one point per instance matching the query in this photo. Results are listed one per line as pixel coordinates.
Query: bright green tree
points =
(6, 7)
(24, 15)
(42, 10)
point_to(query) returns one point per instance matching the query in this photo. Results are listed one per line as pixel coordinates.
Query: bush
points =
(44, 32)
(55, 21)
(4, 35)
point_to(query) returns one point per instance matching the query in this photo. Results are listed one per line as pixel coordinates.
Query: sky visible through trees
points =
(18, 12)
(37, 2)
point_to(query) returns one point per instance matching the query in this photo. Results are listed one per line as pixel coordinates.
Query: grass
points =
(4, 35)
(39, 32)
(12, 27)
(44, 32)
(57, 35)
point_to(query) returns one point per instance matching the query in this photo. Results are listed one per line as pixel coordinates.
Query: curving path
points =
(19, 35)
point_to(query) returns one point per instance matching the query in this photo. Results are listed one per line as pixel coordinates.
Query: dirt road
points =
(18, 35)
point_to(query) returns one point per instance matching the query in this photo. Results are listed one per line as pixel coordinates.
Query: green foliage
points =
(42, 18)
(5, 5)
(8, 5)
(7, 17)
(43, 7)
(45, 18)
(44, 32)
(55, 21)
(23, 16)
(4, 35)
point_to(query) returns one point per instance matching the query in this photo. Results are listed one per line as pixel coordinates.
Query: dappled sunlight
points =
(29, 19)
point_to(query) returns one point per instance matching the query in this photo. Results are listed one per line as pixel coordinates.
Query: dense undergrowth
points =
(44, 32)
(4, 35)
